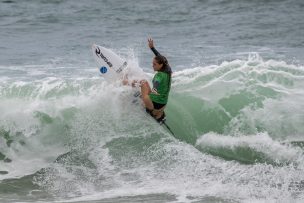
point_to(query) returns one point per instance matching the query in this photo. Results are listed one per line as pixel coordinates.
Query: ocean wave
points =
(81, 136)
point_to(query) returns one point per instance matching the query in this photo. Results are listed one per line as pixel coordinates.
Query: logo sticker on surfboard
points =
(103, 69)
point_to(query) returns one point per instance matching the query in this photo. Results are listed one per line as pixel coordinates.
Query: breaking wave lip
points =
(252, 149)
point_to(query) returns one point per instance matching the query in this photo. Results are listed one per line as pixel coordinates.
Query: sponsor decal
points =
(103, 69)
(122, 67)
(100, 55)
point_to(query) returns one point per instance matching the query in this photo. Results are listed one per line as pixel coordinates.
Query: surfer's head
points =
(159, 62)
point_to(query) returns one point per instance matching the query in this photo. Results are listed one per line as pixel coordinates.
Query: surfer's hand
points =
(150, 43)
(154, 91)
(125, 82)
(134, 82)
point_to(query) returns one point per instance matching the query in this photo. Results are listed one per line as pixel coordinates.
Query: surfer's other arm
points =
(151, 45)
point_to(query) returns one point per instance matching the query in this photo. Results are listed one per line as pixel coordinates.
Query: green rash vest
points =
(161, 87)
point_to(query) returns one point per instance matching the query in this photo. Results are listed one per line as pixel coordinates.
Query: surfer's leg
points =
(145, 91)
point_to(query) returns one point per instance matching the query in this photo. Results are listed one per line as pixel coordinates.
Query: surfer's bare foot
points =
(143, 82)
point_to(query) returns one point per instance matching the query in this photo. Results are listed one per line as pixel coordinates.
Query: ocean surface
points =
(236, 106)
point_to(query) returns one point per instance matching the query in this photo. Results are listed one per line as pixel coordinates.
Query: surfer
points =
(156, 98)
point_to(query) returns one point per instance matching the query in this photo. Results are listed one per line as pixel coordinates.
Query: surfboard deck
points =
(111, 66)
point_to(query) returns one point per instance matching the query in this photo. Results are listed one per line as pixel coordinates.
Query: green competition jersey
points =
(161, 87)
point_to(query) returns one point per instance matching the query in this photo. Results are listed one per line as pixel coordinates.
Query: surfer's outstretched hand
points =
(150, 43)
(134, 83)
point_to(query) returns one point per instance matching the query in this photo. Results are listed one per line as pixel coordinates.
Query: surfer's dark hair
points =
(166, 67)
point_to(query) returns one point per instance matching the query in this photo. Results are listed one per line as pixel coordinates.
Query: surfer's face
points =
(156, 65)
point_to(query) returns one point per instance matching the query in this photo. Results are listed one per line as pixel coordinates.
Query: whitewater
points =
(77, 139)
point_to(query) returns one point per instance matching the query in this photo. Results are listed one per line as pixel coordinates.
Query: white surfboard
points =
(111, 66)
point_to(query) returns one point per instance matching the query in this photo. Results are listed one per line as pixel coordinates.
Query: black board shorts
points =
(158, 105)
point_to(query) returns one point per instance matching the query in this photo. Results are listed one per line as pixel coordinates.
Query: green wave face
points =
(239, 100)
(240, 97)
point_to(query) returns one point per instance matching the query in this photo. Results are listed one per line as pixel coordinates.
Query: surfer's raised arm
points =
(151, 45)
